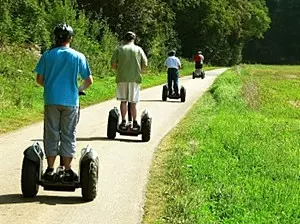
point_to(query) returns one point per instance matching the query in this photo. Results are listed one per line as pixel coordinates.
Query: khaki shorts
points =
(128, 91)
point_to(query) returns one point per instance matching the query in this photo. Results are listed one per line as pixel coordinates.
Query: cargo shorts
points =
(60, 130)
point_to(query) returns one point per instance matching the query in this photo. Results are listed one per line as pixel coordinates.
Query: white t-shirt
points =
(173, 62)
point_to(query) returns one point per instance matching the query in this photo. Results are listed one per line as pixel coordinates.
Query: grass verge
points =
(235, 158)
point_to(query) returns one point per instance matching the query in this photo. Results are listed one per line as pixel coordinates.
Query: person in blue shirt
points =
(57, 71)
(173, 65)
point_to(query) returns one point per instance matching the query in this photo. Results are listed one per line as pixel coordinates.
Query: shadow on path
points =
(49, 200)
(160, 101)
(86, 139)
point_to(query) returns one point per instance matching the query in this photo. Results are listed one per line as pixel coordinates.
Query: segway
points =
(32, 173)
(199, 73)
(181, 95)
(113, 125)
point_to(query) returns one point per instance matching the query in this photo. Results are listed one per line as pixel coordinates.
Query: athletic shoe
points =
(123, 126)
(70, 176)
(135, 126)
(49, 174)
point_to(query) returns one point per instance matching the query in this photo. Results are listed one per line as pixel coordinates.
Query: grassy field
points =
(236, 157)
(21, 99)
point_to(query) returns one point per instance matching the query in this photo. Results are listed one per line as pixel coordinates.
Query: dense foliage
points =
(280, 44)
(219, 28)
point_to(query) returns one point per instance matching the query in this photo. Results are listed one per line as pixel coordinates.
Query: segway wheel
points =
(202, 74)
(89, 180)
(193, 75)
(112, 127)
(29, 178)
(165, 93)
(182, 94)
(146, 130)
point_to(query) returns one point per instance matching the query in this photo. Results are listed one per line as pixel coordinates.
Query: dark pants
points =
(173, 79)
(198, 65)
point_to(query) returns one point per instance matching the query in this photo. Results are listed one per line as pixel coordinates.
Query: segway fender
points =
(146, 115)
(88, 154)
(114, 113)
(34, 153)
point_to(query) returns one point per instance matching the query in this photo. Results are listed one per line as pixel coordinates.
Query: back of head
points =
(172, 53)
(129, 36)
(62, 33)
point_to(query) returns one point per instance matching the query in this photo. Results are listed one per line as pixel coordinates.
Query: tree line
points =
(280, 44)
(225, 30)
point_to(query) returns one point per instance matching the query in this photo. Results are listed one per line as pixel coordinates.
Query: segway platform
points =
(199, 73)
(129, 131)
(32, 174)
(113, 125)
(181, 96)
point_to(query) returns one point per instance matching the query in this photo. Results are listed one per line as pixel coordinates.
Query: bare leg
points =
(123, 108)
(67, 162)
(133, 111)
(51, 161)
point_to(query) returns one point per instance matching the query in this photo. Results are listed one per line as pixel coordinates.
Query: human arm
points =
(114, 66)
(40, 70)
(40, 79)
(86, 75)
(86, 83)
(144, 61)
(179, 64)
(114, 60)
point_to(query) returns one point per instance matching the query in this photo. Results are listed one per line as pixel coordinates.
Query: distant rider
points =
(198, 59)
(173, 65)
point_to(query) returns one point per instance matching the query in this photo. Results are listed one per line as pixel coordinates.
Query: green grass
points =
(21, 99)
(236, 157)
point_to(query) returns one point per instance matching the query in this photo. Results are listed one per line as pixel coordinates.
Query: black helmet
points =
(129, 36)
(63, 32)
(172, 53)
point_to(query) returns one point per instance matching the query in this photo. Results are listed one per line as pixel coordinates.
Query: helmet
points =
(63, 32)
(172, 53)
(129, 36)
(199, 52)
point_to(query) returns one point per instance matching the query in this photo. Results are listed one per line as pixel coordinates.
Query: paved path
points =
(124, 164)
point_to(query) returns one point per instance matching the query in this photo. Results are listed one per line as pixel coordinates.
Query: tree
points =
(219, 27)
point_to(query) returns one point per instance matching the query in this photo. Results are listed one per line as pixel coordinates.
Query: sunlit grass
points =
(232, 160)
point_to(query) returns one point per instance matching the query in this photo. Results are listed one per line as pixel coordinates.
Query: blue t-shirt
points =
(60, 68)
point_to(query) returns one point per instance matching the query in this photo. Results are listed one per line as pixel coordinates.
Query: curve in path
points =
(123, 171)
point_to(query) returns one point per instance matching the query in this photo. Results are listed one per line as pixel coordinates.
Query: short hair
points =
(129, 36)
(172, 53)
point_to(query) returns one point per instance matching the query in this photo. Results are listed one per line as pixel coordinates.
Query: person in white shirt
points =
(173, 65)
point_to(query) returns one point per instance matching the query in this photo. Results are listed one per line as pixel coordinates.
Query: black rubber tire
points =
(193, 75)
(146, 130)
(165, 93)
(89, 180)
(202, 74)
(29, 178)
(182, 94)
(112, 125)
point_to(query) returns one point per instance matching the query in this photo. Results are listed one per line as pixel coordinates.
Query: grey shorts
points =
(60, 130)
(128, 91)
